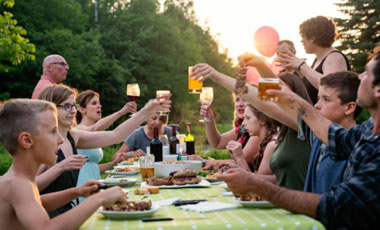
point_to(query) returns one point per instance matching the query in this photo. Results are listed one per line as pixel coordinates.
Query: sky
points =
(234, 22)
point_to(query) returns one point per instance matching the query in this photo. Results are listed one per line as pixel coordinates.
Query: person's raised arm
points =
(248, 59)
(204, 71)
(104, 138)
(105, 122)
(313, 118)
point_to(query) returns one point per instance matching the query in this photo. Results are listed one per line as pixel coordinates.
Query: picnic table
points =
(239, 218)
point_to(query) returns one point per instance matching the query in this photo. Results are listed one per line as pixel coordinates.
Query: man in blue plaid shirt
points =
(353, 204)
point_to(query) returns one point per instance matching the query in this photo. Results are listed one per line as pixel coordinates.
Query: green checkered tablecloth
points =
(240, 218)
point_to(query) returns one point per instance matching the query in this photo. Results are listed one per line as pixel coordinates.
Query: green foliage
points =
(5, 160)
(217, 154)
(14, 47)
(359, 31)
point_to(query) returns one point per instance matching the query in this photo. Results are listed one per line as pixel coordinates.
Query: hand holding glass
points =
(165, 94)
(206, 97)
(195, 86)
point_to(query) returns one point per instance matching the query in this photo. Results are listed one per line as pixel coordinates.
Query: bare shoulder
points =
(270, 146)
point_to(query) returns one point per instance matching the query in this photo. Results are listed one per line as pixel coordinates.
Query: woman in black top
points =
(318, 34)
(64, 174)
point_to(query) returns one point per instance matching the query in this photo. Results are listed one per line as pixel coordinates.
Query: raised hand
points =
(129, 107)
(235, 148)
(203, 71)
(72, 162)
(155, 105)
(206, 111)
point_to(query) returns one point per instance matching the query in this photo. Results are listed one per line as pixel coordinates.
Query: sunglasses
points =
(60, 63)
(68, 107)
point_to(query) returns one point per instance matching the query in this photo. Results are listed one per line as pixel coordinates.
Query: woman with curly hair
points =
(318, 34)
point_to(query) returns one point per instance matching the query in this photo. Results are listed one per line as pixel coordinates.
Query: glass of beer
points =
(133, 91)
(166, 94)
(206, 97)
(195, 86)
(147, 166)
(264, 85)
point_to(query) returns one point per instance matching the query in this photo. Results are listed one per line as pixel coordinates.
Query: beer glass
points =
(206, 97)
(195, 86)
(166, 94)
(265, 84)
(146, 166)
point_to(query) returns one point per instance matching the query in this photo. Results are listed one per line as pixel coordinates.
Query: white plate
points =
(211, 179)
(202, 184)
(126, 166)
(120, 182)
(125, 163)
(116, 215)
(162, 169)
(114, 173)
(224, 185)
(255, 204)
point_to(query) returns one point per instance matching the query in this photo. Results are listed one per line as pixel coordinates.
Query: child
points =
(29, 131)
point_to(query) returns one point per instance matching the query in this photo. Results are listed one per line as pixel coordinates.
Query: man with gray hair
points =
(54, 70)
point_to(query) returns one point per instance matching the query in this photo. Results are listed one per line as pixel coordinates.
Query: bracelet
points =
(300, 65)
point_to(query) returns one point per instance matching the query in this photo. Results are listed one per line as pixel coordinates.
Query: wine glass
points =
(206, 97)
(133, 91)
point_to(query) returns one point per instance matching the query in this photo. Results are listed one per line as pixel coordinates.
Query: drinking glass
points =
(206, 97)
(133, 91)
(166, 94)
(265, 84)
(146, 166)
(195, 86)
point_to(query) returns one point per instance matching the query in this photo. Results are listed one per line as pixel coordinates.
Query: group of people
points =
(306, 152)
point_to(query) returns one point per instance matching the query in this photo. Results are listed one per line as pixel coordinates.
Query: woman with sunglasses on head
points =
(89, 118)
(64, 174)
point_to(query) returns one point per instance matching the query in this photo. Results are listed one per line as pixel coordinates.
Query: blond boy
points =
(29, 133)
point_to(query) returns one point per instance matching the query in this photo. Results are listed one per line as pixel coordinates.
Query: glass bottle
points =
(174, 142)
(156, 146)
(189, 141)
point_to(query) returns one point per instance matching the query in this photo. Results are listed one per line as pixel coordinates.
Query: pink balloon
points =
(266, 39)
(253, 75)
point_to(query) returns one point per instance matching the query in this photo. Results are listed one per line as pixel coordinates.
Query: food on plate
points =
(154, 190)
(173, 162)
(211, 175)
(140, 191)
(128, 169)
(181, 177)
(186, 176)
(251, 197)
(130, 206)
(159, 181)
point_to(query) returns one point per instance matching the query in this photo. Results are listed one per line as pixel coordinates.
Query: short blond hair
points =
(20, 115)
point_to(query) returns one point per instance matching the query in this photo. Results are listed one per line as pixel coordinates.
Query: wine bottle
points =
(189, 141)
(156, 146)
(174, 142)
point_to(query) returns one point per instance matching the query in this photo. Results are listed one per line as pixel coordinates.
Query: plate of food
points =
(124, 171)
(120, 182)
(129, 211)
(253, 201)
(186, 178)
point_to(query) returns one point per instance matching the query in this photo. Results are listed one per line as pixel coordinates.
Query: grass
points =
(198, 131)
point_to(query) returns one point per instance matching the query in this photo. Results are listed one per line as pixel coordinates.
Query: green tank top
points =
(289, 161)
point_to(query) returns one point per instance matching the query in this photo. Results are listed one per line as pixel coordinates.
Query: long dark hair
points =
(296, 85)
(271, 128)
(83, 99)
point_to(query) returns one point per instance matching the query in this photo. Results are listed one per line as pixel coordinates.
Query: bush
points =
(5, 160)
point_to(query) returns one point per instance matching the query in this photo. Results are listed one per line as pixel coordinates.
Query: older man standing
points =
(54, 71)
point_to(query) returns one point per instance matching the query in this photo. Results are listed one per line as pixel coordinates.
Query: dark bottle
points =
(156, 146)
(174, 142)
(189, 141)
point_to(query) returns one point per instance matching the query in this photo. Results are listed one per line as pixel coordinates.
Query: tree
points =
(359, 32)
(14, 48)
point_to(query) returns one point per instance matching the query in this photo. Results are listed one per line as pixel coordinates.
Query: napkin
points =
(208, 206)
